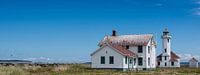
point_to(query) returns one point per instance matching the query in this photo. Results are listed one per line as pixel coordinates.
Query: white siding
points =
(124, 64)
(176, 63)
(193, 64)
(152, 55)
(107, 51)
(145, 55)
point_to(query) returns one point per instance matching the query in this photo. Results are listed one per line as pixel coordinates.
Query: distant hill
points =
(184, 63)
(87, 63)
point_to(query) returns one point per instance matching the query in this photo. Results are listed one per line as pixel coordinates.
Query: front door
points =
(130, 63)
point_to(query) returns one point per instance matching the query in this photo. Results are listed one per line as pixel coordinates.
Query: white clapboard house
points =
(125, 52)
(193, 63)
(167, 58)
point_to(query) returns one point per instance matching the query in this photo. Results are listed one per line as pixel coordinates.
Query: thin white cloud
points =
(187, 57)
(197, 13)
(42, 59)
(31, 59)
(198, 2)
(51, 60)
(197, 10)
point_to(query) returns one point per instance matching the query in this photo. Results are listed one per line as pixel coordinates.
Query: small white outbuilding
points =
(193, 63)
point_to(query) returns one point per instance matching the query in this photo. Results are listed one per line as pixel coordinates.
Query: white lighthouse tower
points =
(166, 38)
(167, 58)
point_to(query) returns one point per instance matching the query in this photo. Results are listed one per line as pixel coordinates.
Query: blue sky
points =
(69, 30)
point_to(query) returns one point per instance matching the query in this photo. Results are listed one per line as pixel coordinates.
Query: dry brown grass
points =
(82, 69)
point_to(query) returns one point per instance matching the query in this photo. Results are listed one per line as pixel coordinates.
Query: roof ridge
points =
(175, 54)
(134, 34)
(139, 39)
(194, 59)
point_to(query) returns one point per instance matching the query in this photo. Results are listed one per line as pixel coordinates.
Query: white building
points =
(167, 58)
(125, 52)
(193, 63)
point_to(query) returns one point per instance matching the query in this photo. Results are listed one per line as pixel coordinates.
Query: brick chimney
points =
(114, 33)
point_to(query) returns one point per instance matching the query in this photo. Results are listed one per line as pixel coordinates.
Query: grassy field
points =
(83, 69)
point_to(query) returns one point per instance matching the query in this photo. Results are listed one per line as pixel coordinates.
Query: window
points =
(149, 61)
(161, 58)
(140, 61)
(172, 63)
(126, 58)
(168, 40)
(165, 57)
(111, 59)
(149, 48)
(102, 59)
(127, 46)
(140, 49)
(165, 50)
(134, 60)
(165, 64)
(158, 63)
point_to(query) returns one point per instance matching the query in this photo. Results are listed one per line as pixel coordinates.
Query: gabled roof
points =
(174, 57)
(121, 50)
(142, 39)
(159, 57)
(193, 59)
